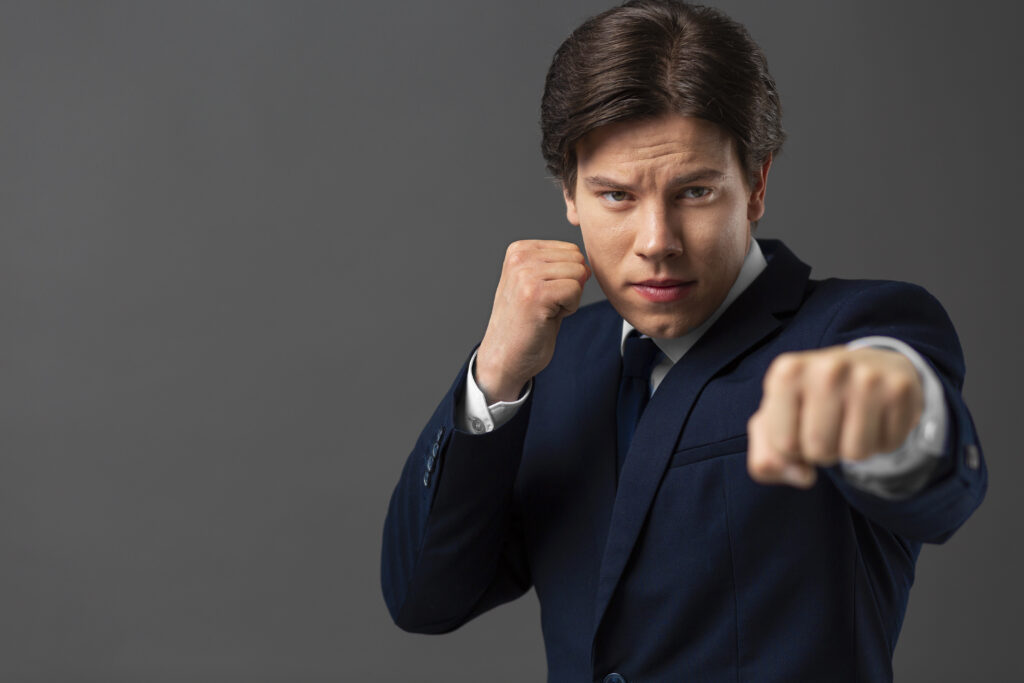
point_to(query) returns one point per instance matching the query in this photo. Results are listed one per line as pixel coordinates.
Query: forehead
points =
(669, 142)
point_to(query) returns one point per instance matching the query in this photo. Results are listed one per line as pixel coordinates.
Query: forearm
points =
(451, 545)
(910, 314)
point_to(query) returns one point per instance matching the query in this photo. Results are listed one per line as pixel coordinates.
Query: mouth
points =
(663, 291)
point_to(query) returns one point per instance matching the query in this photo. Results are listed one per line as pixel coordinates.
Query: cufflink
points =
(972, 456)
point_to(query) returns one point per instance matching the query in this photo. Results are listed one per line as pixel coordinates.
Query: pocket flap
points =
(687, 456)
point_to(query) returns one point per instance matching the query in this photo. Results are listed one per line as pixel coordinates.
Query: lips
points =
(663, 290)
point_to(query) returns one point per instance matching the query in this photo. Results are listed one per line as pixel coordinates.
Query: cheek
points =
(596, 257)
(606, 243)
(720, 243)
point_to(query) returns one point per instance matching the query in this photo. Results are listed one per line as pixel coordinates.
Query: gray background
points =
(245, 246)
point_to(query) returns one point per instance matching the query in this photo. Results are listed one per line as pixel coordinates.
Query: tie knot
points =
(638, 356)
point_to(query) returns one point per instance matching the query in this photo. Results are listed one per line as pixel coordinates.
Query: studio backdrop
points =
(247, 245)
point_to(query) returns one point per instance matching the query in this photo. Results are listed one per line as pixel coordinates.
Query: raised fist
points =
(541, 283)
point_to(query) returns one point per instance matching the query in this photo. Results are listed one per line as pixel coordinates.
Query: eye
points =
(695, 192)
(615, 196)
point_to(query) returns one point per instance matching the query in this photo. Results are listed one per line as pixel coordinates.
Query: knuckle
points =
(785, 368)
(529, 289)
(866, 378)
(903, 391)
(516, 258)
(863, 387)
(830, 371)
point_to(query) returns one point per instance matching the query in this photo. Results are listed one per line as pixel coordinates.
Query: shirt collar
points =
(676, 347)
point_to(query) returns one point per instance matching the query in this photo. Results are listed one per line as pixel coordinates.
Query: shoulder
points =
(839, 311)
(827, 297)
(836, 298)
(839, 288)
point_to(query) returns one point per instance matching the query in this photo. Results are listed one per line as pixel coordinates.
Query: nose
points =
(657, 235)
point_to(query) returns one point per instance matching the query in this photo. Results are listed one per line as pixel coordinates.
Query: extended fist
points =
(827, 405)
(541, 283)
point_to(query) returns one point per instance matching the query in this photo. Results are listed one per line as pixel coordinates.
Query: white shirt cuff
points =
(475, 415)
(891, 475)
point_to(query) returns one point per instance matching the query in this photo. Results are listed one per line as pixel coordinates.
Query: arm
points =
(912, 315)
(453, 547)
(828, 405)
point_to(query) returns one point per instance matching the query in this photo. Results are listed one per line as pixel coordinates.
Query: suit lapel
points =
(746, 322)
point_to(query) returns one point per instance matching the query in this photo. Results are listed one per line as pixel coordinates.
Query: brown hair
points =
(646, 58)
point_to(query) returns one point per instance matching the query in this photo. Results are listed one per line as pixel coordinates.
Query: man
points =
(726, 470)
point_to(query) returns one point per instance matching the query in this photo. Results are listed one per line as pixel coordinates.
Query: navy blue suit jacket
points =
(686, 570)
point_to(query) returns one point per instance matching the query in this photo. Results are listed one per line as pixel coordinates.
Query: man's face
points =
(665, 210)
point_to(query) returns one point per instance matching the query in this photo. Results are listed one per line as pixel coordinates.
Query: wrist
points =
(495, 384)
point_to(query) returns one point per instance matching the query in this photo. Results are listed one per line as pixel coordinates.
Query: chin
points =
(665, 326)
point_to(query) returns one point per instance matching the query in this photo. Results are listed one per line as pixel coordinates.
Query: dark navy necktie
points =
(638, 358)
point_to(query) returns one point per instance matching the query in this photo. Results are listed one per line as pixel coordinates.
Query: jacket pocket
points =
(688, 456)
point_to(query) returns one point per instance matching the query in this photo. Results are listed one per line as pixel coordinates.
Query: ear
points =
(755, 206)
(571, 214)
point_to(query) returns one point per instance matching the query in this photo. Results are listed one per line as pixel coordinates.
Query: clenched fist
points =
(827, 405)
(541, 283)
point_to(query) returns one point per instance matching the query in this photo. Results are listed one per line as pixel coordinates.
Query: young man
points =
(726, 470)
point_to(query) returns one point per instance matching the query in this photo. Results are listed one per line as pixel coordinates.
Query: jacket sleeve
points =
(909, 313)
(453, 546)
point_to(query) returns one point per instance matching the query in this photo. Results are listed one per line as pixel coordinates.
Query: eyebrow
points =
(594, 181)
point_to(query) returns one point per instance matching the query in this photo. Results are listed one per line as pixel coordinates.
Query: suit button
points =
(435, 449)
(431, 462)
(439, 434)
(972, 457)
(426, 479)
(615, 678)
